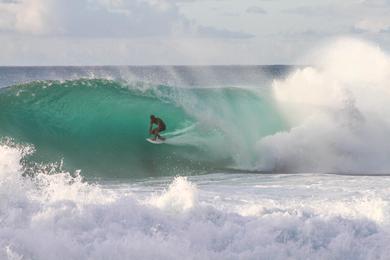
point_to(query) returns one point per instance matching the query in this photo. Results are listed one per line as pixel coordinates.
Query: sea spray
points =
(180, 196)
(338, 111)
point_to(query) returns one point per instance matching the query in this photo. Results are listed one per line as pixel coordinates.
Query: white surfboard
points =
(157, 141)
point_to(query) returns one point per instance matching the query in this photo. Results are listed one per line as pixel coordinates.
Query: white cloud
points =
(35, 50)
(211, 31)
(316, 10)
(376, 3)
(80, 32)
(84, 17)
(255, 10)
(102, 18)
(28, 16)
(373, 25)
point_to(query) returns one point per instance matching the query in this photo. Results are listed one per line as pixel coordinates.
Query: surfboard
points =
(157, 141)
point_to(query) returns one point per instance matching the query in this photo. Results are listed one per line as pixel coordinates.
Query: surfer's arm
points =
(150, 127)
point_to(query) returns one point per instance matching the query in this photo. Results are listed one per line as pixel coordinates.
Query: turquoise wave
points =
(100, 126)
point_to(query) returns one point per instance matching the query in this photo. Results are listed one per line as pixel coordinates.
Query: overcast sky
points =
(145, 32)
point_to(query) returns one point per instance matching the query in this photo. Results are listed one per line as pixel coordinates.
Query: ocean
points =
(260, 162)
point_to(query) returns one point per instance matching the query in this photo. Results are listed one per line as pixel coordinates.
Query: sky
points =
(182, 32)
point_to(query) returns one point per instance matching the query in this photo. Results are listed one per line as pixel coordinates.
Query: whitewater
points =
(261, 162)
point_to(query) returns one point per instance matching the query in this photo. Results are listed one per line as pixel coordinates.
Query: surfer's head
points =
(152, 117)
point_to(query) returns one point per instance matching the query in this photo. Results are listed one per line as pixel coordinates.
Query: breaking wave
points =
(333, 117)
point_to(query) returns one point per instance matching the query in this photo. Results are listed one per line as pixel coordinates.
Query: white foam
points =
(180, 196)
(55, 215)
(339, 112)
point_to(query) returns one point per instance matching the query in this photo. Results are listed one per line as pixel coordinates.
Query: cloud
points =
(213, 32)
(48, 32)
(231, 14)
(34, 50)
(373, 25)
(101, 18)
(87, 18)
(376, 3)
(22, 16)
(255, 10)
(318, 10)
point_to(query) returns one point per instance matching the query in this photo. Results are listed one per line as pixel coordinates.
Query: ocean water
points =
(261, 162)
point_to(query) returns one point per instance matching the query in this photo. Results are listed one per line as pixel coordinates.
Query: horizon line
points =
(155, 65)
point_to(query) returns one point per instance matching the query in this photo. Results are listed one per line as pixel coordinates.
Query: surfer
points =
(160, 127)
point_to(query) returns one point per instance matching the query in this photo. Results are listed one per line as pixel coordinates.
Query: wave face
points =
(100, 126)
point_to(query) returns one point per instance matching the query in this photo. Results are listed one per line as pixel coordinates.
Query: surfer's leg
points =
(159, 136)
(155, 133)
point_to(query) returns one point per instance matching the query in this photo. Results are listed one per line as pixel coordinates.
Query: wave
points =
(332, 117)
(100, 125)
